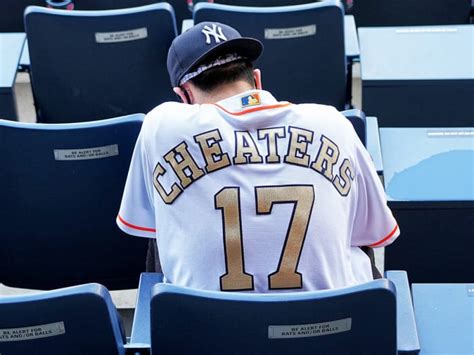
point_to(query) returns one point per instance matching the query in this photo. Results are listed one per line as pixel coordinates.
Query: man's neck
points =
(223, 92)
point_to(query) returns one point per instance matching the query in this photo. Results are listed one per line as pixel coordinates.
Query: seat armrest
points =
(407, 333)
(373, 143)
(141, 319)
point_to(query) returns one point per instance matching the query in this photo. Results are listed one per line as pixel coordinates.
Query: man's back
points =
(254, 194)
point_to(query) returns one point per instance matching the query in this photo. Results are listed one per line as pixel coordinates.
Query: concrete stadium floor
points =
(125, 299)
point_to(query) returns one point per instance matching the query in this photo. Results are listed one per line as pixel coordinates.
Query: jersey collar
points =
(247, 100)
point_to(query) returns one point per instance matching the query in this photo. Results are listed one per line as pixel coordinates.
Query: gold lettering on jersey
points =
(245, 149)
(302, 197)
(168, 198)
(212, 151)
(186, 169)
(346, 174)
(274, 140)
(298, 146)
(326, 158)
(271, 135)
(235, 279)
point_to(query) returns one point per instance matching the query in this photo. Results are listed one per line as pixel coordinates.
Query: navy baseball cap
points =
(204, 42)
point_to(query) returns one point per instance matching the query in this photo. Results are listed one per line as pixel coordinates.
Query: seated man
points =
(246, 193)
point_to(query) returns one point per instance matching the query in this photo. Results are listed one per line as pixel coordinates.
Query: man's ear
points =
(180, 92)
(257, 77)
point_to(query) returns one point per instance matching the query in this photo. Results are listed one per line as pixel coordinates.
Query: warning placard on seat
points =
(309, 330)
(32, 332)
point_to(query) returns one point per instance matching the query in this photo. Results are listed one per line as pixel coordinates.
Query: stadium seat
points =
(110, 4)
(429, 182)
(375, 317)
(75, 321)
(89, 65)
(304, 58)
(410, 12)
(420, 76)
(11, 14)
(347, 3)
(180, 6)
(60, 189)
(445, 317)
(264, 2)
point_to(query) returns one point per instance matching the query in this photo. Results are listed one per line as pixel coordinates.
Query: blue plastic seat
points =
(429, 182)
(180, 6)
(274, 2)
(110, 4)
(404, 86)
(89, 65)
(445, 317)
(304, 57)
(76, 321)
(60, 190)
(293, 323)
(371, 318)
(263, 2)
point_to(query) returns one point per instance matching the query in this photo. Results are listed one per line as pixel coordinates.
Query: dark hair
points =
(213, 78)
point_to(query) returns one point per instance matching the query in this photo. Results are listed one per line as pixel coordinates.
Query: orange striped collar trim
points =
(390, 235)
(133, 226)
(253, 109)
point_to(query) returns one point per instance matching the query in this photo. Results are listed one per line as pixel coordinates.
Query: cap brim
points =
(249, 48)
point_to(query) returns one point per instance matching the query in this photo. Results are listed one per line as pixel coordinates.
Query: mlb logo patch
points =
(251, 100)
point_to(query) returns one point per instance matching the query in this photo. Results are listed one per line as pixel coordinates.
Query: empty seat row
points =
(99, 64)
(376, 317)
(89, 65)
(11, 11)
(379, 317)
(367, 12)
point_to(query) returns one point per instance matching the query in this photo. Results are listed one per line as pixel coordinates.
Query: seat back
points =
(264, 2)
(60, 189)
(110, 4)
(11, 14)
(357, 118)
(77, 320)
(429, 183)
(180, 6)
(347, 3)
(411, 12)
(89, 65)
(304, 56)
(362, 317)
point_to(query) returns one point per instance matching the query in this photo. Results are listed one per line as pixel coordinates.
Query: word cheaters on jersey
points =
(187, 171)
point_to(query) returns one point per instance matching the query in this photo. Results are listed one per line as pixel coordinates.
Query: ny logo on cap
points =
(215, 31)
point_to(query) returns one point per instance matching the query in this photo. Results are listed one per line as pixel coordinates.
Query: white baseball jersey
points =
(251, 194)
